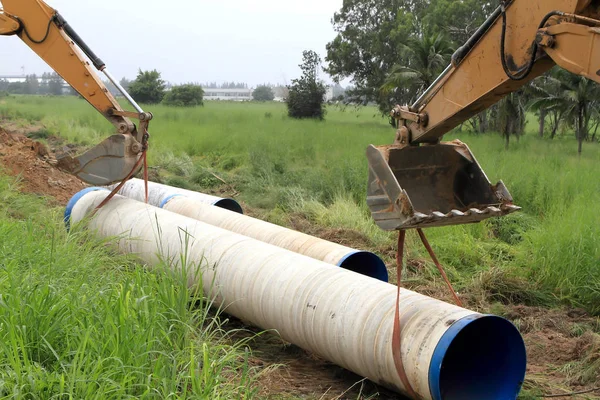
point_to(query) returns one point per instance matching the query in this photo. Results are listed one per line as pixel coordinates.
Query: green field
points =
(319, 169)
(79, 321)
(547, 255)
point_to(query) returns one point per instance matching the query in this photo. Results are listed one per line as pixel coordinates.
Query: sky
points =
(252, 41)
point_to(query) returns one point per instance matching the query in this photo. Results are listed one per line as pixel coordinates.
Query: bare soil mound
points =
(35, 166)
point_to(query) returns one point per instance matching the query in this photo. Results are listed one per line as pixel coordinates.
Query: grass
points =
(65, 295)
(319, 169)
(79, 321)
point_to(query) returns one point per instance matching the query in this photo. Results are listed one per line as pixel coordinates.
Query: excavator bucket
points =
(109, 162)
(431, 185)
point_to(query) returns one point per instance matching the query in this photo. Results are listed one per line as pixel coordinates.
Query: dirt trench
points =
(33, 163)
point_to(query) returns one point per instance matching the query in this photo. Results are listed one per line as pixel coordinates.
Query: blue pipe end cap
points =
(479, 357)
(365, 263)
(74, 200)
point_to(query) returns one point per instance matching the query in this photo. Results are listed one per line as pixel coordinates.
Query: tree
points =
(510, 116)
(263, 93)
(148, 87)
(307, 94)
(32, 84)
(366, 46)
(572, 97)
(234, 85)
(188, 95)
(427, 55)
(16, 88)
(372, 35)
(458, 19)
(124, 82)
(55, 83)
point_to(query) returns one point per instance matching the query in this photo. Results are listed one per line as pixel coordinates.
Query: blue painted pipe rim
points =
(365, 263)
(479, 356)
(74, 200)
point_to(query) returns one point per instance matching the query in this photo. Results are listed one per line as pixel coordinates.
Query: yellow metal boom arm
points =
(49, 35)
(520, 41)
(418, 181)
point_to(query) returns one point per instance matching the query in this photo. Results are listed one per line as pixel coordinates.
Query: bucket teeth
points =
(437, 185)
(454, 217)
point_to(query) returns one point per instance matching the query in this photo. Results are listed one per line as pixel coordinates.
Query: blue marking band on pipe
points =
(74, 200)
(365, 263)
(479, 357)
(167, 199)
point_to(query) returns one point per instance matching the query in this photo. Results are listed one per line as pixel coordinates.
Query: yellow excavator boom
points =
(51, 37)
(419, 182)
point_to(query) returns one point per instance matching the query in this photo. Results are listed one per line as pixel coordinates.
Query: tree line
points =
(47, 84)
(148, 87)
(394, 49)
(225, 85)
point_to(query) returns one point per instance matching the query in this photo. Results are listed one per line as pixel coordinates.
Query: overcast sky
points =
(192, 40)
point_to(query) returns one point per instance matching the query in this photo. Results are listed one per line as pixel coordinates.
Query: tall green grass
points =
(79, 321)
(320, 170)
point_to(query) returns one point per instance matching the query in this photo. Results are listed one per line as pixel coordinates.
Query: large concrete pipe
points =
(159, 194)
(188, 204)
(449, 352)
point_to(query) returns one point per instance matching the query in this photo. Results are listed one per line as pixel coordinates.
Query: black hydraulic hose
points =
(521, 75)
(62, 23)
(24, 29)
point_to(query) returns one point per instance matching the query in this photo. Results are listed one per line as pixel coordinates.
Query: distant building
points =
(228, 94)
(329, 93)
(66, 88)
(13, 78)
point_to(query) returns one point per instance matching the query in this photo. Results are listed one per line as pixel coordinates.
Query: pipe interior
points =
(366, 263)
(485, 360)
(230, 204)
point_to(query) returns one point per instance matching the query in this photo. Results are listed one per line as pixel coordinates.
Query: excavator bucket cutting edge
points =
(431, 185)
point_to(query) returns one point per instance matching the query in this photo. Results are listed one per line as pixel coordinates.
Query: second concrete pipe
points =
(198, 206)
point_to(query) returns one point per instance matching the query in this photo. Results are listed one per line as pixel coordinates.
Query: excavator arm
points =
(420, 182)
(50, 36)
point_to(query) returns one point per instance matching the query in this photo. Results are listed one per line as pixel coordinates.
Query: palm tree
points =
(509, 115)
(547, 97)
(573, 97)
(427, 55)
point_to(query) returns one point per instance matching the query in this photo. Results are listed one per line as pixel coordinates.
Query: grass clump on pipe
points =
(79, 321)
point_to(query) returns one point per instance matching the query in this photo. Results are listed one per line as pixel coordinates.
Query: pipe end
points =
(229, 204)
(73, 202)
(365, 263)
(479, 357)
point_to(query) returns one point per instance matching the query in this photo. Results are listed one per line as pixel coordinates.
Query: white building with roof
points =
(228, 94)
